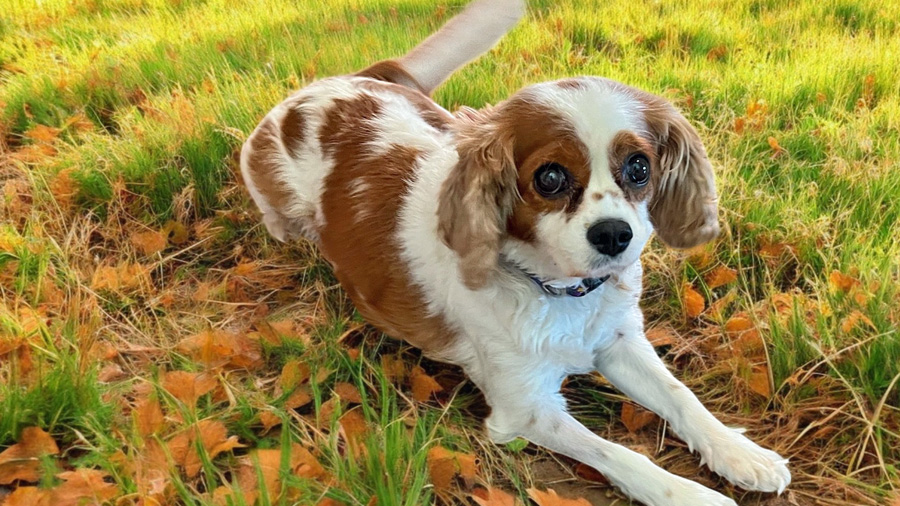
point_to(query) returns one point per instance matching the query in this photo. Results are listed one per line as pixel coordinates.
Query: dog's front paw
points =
(747, 465)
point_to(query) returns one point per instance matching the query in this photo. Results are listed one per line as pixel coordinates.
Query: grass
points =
(124, 117)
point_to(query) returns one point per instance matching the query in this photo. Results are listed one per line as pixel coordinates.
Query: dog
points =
(507, 240)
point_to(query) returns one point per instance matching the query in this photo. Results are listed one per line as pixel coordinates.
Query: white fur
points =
(518, 343)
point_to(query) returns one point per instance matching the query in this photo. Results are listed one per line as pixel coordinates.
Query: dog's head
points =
(568, 179)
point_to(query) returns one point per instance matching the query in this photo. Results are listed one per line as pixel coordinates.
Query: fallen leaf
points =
(110, 372)
(28, 496)
(42, 133)
(759, 381)
(635, 417)
(588, 473)
(149, 242)
(841, 282)
(720, 276)
(550, 498)
(148, 416)
(444, 465)
(219, 348)
(776, 148)
(304, 464)
(661, 336)
(853, 319)
(175, 232)
(188, 386)
(693, 302)
(212, 437)
(82, 486)
(353, 431)
(493, 497)
(269, 420)
(293, 374)
(394, 368)
(300, 397)
(423, 385)
(21, 461)
(347, 392)
(126, 276)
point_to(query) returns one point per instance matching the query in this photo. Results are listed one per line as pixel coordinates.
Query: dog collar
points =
(584, 287)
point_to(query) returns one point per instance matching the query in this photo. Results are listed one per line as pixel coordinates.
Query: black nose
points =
(610, 237)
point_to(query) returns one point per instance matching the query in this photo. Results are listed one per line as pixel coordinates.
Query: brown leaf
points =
(693, 302)
(550, 498)
(21, 460)
(839, 281)
(423, 385)
(42, 133)
(83, 486)
(347, 392)
(304, 464)
(588, 473)
(394, 368)
(28, 496)
(300, 397)
(218, 348)
(720, 276)
(213, 438)
(853, 319)
(148, 416)
(293, 374)
(175, 232)
(123, 277)
(188, 386)
(661, 336)
(759, 381)
(110, 372)
(444, 465)
(493, 497)
(635, 417)
(353, 431)
(149, 242)
(776, 148)
(269, 420)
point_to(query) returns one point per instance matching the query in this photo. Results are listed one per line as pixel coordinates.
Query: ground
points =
(156, 346)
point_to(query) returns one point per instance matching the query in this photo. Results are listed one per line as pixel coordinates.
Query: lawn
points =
(157, 347)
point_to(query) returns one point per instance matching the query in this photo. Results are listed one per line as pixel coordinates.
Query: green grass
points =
(154, 97)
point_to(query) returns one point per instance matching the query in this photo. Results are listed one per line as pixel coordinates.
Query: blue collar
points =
(586, 286)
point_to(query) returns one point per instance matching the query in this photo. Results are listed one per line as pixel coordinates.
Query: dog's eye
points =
(551, 179)
(637, 169)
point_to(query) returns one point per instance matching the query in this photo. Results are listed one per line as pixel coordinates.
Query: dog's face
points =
(569, 178)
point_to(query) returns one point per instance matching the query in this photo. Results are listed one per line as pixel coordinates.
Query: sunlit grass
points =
(798, 104)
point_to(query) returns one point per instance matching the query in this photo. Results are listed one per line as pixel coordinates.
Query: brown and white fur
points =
(431, 221)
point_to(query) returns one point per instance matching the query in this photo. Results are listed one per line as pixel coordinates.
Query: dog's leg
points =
(540, 417)
(631, 364)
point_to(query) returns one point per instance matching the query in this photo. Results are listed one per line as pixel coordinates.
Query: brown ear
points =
(477, 198)
(684, 208)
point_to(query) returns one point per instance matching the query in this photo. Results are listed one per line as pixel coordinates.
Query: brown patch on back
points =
(433, 114)
(364, 249)
(623, 145)
(264, 161)
(570, 84)
(293, 127)
(391, 71)
(541, 136)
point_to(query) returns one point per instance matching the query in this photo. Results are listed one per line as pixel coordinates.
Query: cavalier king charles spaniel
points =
(507, 239)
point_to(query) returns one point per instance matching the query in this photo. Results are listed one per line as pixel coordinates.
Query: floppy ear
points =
(684, 208)
(477, 198)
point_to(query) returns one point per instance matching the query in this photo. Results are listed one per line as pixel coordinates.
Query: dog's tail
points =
(468, 35)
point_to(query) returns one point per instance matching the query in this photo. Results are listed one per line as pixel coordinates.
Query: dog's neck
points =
(572, 287)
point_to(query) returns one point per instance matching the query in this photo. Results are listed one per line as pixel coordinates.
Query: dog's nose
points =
(610, 237)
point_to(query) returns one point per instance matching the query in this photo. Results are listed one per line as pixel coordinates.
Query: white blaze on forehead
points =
(597, 110)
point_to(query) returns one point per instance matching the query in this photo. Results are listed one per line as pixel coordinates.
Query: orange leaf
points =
(423, 385)
(720, 276)
(444, 465)
(493, 497)
(635, 417)
(42, 133)
(776, 148)
(739, 125)
(188, 386)
(738, 324)
(394, 368)
(149, 242)
(661, 336)
(213, 438)
(269, 419)
(119, 278)
(347, 392)
(759, 381)
(148, 416)
(353, 431)
(216, 348)
(841, 282)
(21, 460)
(588, 473)
(28, 496)
(293, 374)
(693, 301)
(83, 486)
(550, 498)
(298, 398)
